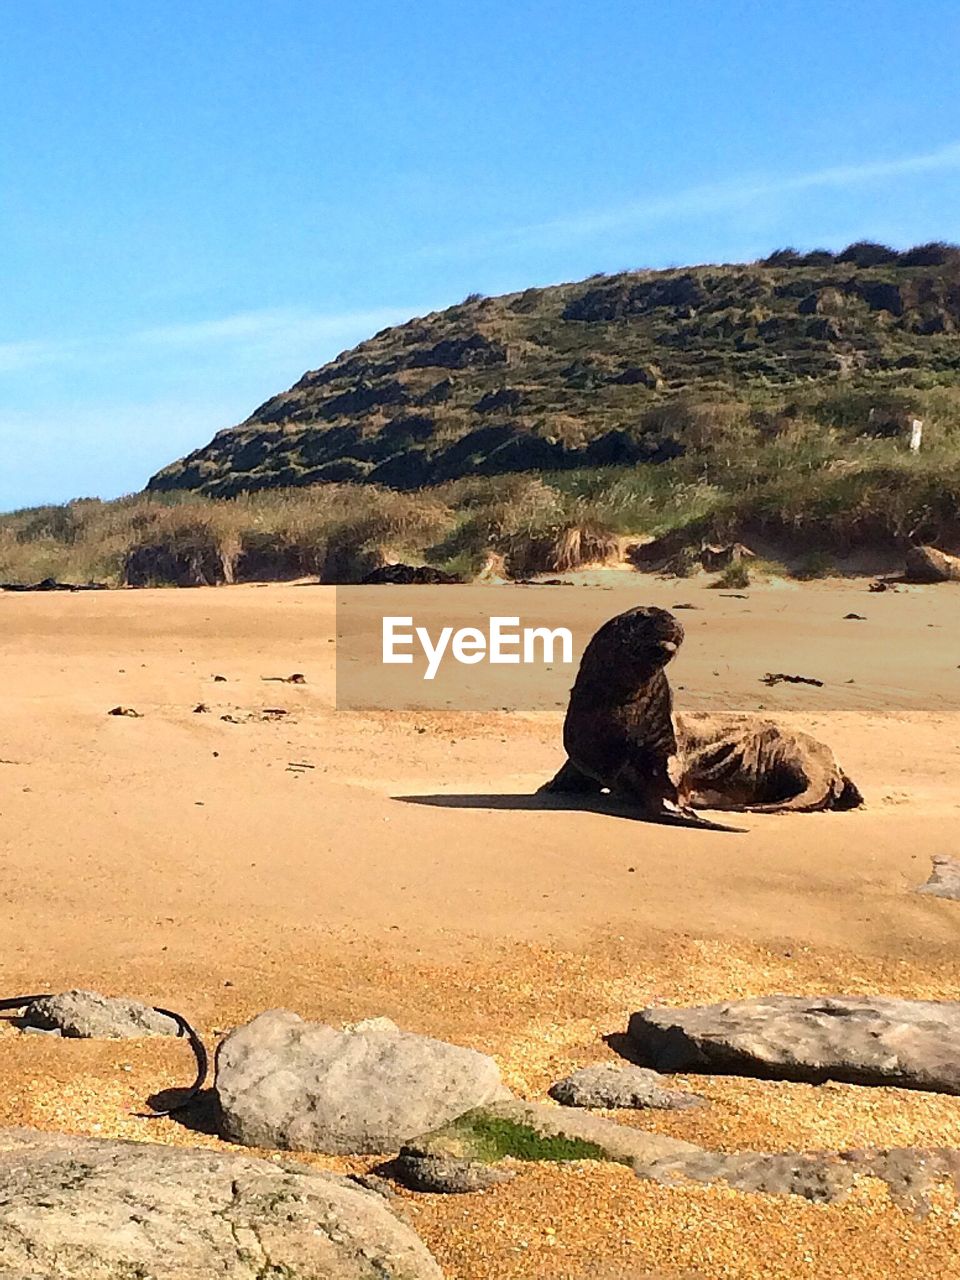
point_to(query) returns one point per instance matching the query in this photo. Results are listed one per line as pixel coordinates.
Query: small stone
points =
(612, 1086)
(447, 1175)
(88, 1015)
(944, 879)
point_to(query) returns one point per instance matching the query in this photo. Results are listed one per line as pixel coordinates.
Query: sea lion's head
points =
(636, 644)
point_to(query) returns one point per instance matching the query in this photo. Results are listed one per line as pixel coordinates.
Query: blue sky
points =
(200, 200)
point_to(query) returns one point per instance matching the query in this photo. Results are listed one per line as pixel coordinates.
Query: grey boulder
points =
(913, 1044)
(83, 1209)
(944, 879)
(88, 1015)
(608, 1085)
(930, 564)
(284, 1082)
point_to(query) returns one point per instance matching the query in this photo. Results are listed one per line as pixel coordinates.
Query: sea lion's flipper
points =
(571, 781)
(682, 816)
(651, 785)
(850, 797)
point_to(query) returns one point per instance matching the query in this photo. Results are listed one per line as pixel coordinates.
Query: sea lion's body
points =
(619, 731)
(621, 736)
(740, 762)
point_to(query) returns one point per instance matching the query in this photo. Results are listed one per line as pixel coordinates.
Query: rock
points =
(85, 1209)
(944, 879)
(283, 1082)
(536, 1131)
(909, 1173)
(88, 1015)
(407, 575)
(612, 1086)
(447, 1175)
(927, 564)
(913, 1044)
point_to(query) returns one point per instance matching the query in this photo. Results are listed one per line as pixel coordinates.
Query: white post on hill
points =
(916, 434)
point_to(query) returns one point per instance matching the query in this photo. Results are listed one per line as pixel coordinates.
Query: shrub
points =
(735, 578)
(867, 253)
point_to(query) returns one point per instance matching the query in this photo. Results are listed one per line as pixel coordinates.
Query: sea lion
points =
(619, 731)
(740, 762)
(621, 735)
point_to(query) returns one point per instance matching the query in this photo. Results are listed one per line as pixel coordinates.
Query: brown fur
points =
(619, 732)
(740, 762)
(621, 735)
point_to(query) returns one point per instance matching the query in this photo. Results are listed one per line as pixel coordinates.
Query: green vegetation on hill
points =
(640, 367)
(767, 402)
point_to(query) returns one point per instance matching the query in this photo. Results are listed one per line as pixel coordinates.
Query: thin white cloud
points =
(701, 201)
(270, 326)
(16, 356)
(272, 331)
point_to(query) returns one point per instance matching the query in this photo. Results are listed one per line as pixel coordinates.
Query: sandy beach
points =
(176, 856)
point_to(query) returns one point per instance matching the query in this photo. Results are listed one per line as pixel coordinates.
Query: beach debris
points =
(284, 1082)
(51, 584)
(297, 678)
(780, 677)
(944, 879)
(219, 679)
(299, 766)
(715, 558)
(408, 575)
(75, 1207)
(685, 606)
(870, 1040)
(200, 709)
(854, 617)
(124, 711)
(610, 1085)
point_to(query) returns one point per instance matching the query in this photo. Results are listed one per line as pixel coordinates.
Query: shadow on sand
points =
(547, 802)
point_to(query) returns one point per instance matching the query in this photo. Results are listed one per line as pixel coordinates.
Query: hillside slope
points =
(592, 373)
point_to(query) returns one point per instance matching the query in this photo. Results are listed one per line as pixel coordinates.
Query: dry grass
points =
(810, 490)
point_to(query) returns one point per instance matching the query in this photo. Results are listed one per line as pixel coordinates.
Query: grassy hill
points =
(768, 402)
(616, 370)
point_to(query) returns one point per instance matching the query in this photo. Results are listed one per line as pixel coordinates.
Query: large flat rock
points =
(283, 1082)
(911, 1175)
(76, 1208)
(913, 1044)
